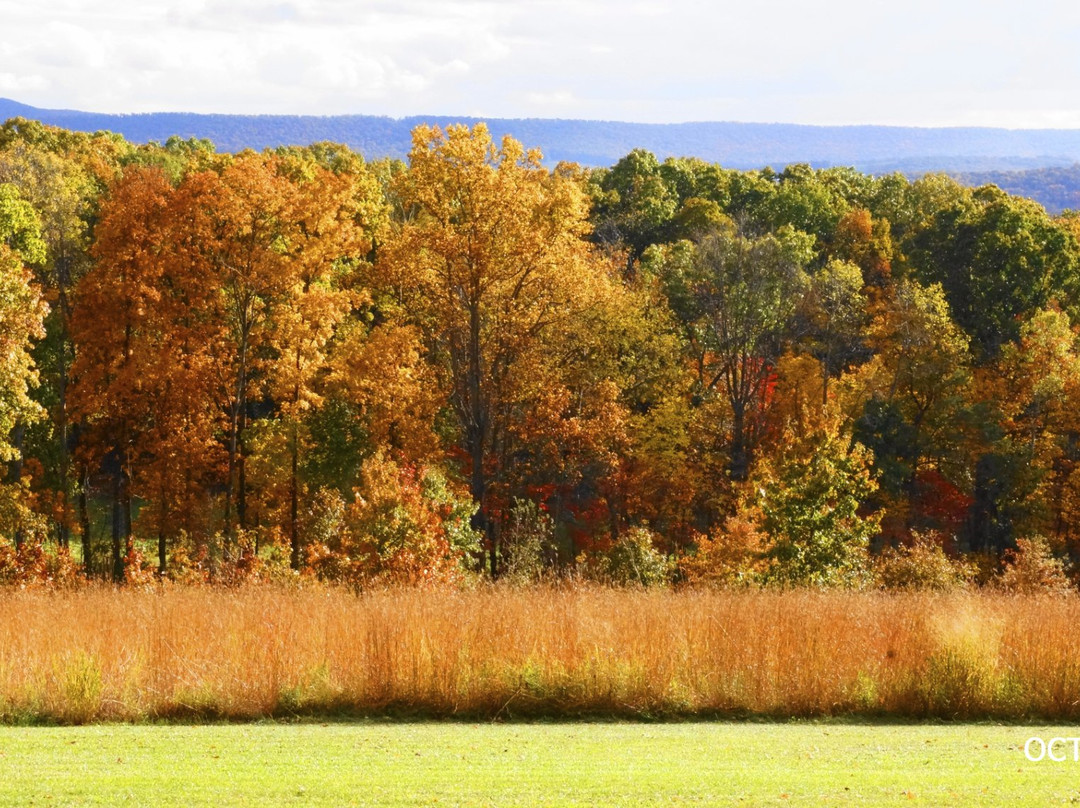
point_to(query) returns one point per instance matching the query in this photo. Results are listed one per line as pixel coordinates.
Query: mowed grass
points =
(532, 764)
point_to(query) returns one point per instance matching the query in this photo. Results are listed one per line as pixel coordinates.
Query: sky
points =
(913, 63)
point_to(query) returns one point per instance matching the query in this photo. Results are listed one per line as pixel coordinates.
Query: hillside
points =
(1055, 187)
(1041, 164)
(737, 145)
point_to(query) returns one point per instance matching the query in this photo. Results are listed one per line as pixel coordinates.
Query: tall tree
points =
(803, 201)
(494, 262)
(999, 259)
(634, 205)
(836, 313)
(22, 312)
(736, 296)
(238, 222)
(112, 312)
(913, 396)
(1025, 478)
(324, 236)
(63, 193)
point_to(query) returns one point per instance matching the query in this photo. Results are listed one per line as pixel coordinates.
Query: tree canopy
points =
(415, 371)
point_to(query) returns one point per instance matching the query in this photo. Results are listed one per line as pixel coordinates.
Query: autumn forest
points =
(258, 366)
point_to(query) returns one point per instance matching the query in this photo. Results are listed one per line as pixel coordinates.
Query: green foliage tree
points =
(811, 513)
(803, 201)
(64, 195)
(735, 297)
(999, 259)
(22, 313)
(836, 313)
(634, 205)
(913, 393)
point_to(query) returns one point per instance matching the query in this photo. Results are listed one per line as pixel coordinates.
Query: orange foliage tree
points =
(144, 370)
(226, 287)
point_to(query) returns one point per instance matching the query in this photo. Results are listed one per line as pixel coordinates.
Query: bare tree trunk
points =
(740, 451)
(15, 470)
(236, 465)
(162, 516)
(84, 521)
(476, 435)
(478, 489)
(241, 476)
(294, 530)
(294, 493)
(117, 528)
(61, 405)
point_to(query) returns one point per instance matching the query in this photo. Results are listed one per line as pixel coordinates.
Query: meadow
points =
(492, 653)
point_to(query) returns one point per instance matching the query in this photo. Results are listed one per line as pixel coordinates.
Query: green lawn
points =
(529, 764)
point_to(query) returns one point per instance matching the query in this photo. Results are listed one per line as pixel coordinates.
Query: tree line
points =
(217, 366)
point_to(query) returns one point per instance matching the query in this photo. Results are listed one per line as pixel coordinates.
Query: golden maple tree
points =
(491, 267)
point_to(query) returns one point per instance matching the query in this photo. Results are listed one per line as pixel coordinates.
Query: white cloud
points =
(558, 98)
(965, 61)
(10, 82)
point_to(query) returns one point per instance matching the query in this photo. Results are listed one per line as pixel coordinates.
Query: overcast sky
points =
(918, 62)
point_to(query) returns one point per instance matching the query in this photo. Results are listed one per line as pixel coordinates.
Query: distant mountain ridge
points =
(877, 149)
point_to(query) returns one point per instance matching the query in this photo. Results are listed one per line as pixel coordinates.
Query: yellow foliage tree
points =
(22, 312)
(491, 267)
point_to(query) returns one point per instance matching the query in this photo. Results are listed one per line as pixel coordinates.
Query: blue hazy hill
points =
(736, 145)
(1039, 163)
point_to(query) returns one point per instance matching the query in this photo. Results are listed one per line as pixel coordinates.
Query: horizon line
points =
(483, 118)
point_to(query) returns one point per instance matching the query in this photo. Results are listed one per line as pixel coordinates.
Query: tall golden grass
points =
(130, 654)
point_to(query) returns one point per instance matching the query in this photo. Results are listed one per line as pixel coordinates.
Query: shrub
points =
(322, 520)
(189, 562)
(732, 555)
(632, 559)
(31, 565)
(526, 540)
(811, 515)
(407, 525)
(1032, 568)
(923, 564)
(137, 571)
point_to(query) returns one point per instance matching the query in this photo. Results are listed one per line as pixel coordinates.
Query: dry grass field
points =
(181, 653)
